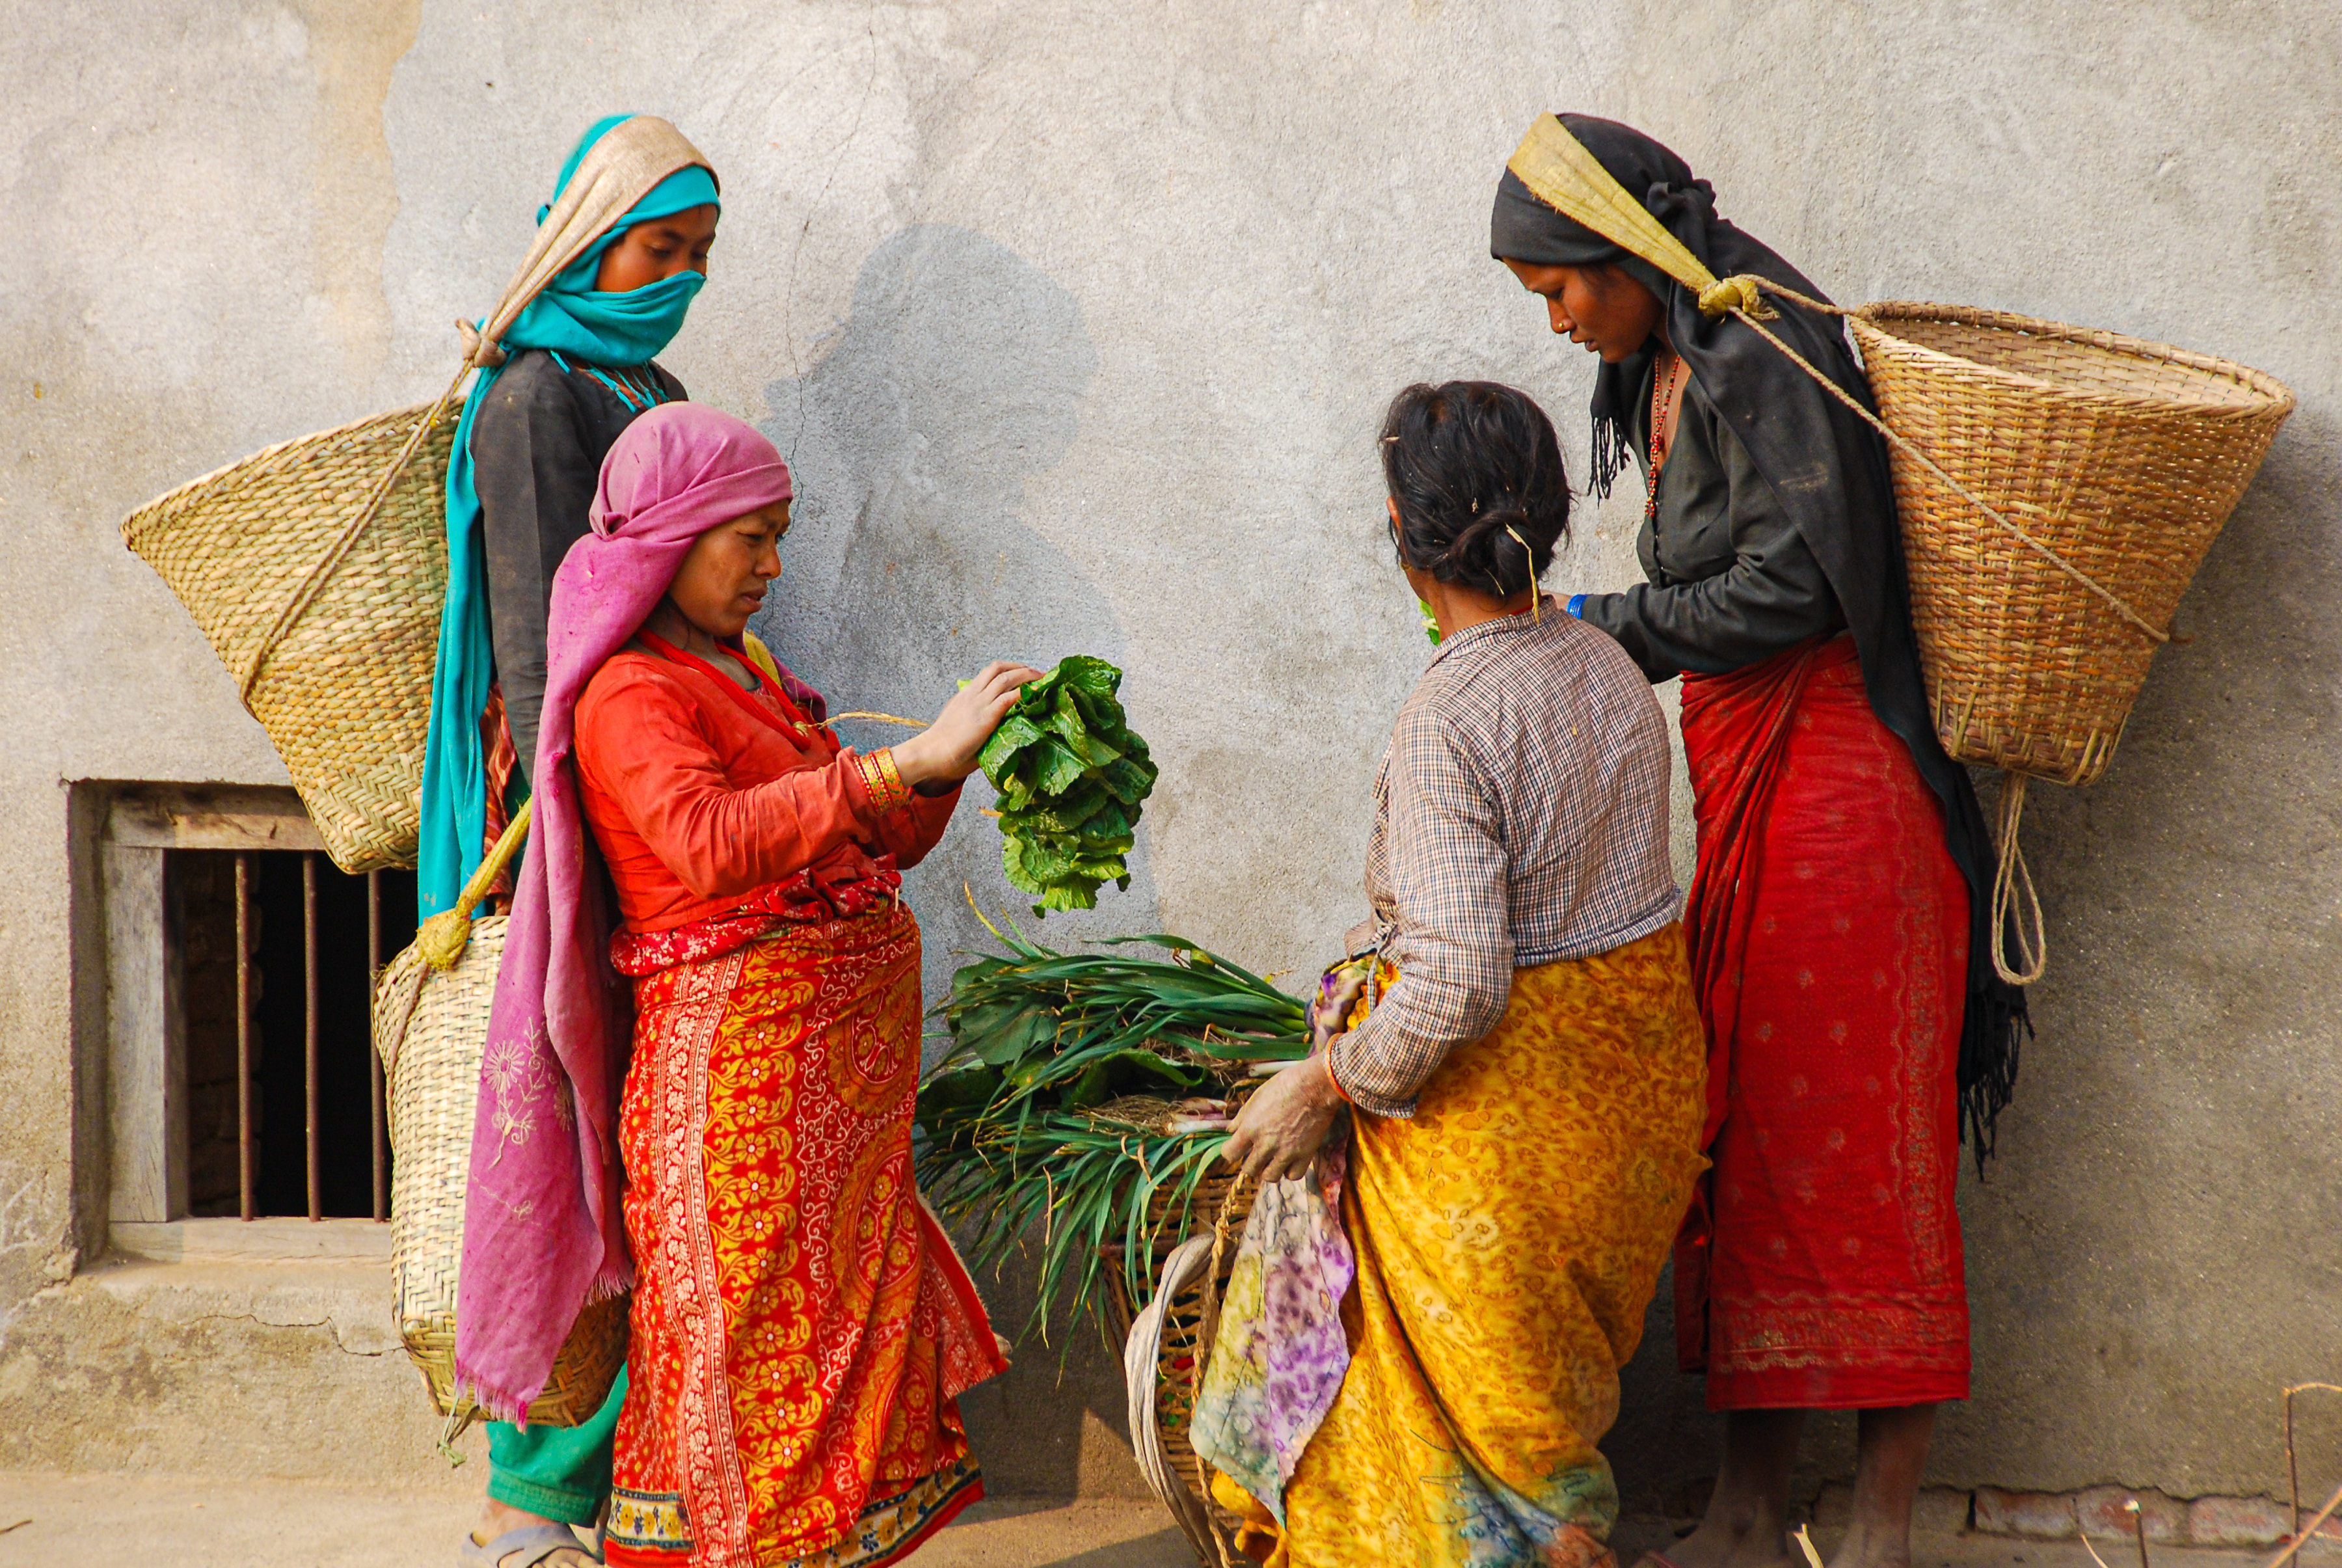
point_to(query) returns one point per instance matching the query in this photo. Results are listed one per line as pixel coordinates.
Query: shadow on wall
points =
(954, 383)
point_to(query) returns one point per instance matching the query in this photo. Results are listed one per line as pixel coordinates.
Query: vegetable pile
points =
(1079, 1087)
(1071, 776)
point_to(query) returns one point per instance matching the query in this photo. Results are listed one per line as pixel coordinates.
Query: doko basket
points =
(2123, 457)
(1166, 1344)
(431, 1027)
(330, 633)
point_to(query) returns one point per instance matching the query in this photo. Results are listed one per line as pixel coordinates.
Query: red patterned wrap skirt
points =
(1820, 1266)
(801, 1325)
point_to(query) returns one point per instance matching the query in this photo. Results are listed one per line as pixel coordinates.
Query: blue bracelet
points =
(1577, 606)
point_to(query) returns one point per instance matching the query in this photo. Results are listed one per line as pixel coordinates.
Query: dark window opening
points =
(303, 919)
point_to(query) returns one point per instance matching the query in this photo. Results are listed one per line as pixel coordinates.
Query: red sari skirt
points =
(801, 1326)
(1820, 1267)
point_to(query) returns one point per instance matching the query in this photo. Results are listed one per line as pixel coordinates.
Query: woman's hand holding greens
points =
(945, 752)
(1281, 1127)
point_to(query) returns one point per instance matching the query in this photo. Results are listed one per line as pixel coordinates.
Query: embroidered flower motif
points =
(520, 1075)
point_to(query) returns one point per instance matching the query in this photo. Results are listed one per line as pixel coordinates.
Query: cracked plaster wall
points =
(196, 1369)
(1076, 321)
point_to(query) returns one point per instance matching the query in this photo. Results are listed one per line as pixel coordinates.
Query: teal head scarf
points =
(573, 318)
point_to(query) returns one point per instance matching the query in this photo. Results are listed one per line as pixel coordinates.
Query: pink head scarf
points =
(541, 1230)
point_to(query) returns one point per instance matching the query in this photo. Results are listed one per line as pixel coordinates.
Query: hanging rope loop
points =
(2016, 907)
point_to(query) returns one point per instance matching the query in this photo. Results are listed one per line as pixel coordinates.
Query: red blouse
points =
(707, 801)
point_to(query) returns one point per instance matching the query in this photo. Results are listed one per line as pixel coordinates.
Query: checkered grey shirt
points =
(1520, 818)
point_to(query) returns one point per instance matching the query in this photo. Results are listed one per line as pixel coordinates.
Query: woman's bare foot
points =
(500, 1518)
(1892, 1450)
(1747, 1521)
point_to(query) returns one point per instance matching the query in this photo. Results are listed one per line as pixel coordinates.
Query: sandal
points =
(535, 1543)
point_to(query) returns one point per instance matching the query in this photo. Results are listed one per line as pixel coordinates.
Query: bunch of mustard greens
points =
(1071, 775)
(1079, 1086)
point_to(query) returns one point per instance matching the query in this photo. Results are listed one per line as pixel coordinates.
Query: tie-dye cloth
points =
(1278, 1357)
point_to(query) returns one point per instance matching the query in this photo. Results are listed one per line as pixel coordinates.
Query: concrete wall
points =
(1077, 321)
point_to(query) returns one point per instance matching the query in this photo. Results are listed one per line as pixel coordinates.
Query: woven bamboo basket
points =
(431, 1026)
(2121, 456)
(331, 632)
(1167, 1345)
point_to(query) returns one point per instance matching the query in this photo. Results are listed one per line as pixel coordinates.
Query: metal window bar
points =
(313, 1132)
(247, 1045)
(379, 1121)
(246, 1151)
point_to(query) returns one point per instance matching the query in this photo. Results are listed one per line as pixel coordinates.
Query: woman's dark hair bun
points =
(1483, 498)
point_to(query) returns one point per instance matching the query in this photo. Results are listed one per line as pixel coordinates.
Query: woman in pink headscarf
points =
(801, 1328)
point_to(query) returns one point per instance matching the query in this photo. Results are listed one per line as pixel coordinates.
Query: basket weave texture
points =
(432, 1027)
(1218, 1208)
(345, 693)
(2123, 457)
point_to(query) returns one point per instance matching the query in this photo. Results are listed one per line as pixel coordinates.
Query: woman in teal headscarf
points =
(575, 370)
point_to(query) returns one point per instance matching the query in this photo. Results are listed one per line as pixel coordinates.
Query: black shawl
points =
(1828, 471)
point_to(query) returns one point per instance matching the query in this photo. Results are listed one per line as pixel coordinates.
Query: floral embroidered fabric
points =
(801, 1326)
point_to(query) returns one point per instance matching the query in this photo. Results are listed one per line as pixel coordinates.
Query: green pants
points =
(560, 1471)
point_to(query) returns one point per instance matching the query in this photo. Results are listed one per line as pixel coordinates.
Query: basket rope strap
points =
(1206, 1331)
(2016, 907)
(444, 937)
(459, 1421)
(1733, 304)
(881, 718)
(319, 574)
(1210, 1326)
(1560, 171)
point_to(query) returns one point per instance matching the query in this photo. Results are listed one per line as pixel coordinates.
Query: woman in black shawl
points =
(1839, 912)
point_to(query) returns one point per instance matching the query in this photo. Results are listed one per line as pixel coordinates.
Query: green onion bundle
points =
(1079, 1087)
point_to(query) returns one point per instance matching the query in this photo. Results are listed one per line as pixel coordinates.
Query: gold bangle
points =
(881, 779)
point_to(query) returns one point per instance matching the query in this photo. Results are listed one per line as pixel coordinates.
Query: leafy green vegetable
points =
(1071, 775)
(1041, 1040)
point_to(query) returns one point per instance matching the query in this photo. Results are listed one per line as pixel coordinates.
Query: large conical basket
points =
(2121, 456)
(330, 631)
(431, 1029)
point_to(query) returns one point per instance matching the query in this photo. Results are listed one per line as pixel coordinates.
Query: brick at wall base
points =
(2035, 1515)
(2099, 1512)
(2239, 1521)
(1937, 1510)
(2102, 1512)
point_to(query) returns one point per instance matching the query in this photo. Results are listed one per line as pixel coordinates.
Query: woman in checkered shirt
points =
(1521, 1053)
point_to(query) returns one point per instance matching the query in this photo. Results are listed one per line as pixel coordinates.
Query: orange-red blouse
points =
(709, 801)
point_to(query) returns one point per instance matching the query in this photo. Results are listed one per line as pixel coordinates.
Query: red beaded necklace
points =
(1663, 397)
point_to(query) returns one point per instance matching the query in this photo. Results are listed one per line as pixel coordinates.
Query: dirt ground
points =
(57, 1521)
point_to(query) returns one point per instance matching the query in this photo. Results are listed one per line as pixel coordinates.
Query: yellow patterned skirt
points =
(1509, 1238)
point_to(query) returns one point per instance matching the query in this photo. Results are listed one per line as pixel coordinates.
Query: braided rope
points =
(1738, 297)
(614, 174)
(320, 573)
